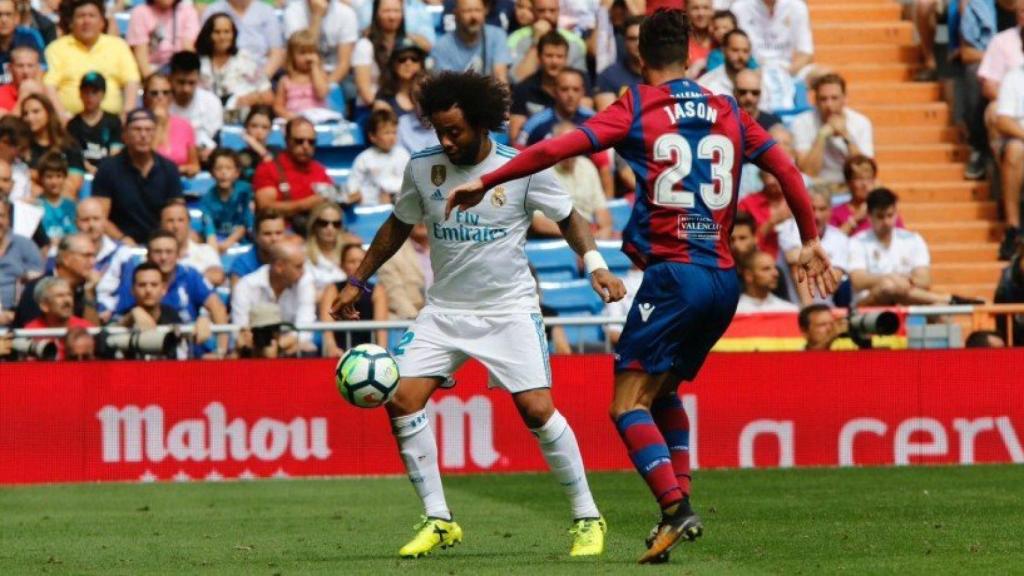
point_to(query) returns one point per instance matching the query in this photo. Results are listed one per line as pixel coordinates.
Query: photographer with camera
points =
(820, 327)
(266, 335)
(294, 183)
(56, 301)
(149, 312)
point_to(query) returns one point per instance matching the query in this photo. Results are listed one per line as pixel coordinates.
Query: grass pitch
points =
(927, 520)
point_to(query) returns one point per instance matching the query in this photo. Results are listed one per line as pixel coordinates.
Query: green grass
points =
(928, 520)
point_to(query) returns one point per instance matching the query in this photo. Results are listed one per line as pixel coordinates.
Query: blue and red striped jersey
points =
(686, 147)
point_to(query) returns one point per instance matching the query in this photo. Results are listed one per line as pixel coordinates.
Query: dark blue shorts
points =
(678, 314)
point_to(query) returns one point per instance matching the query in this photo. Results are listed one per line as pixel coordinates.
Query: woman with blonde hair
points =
(325, 237)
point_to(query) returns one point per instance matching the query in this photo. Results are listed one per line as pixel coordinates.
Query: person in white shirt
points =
(760, 278)
(889, 265)
(736, 51)
(175, 219)
(335, 26)
(833, 240)
(202, 108)
(826, 136)
(377, 171)
(483, 303)
(580, 178)
(283, 281)
(780, 32)
(1010, 125)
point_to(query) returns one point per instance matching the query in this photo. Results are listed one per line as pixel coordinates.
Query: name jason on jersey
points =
(467, 228)
(691, 109)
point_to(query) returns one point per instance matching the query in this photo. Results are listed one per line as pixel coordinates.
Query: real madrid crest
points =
(438, 174)
(498, 197)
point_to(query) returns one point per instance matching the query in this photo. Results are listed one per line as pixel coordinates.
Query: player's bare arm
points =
(576, 231)
(388, 240)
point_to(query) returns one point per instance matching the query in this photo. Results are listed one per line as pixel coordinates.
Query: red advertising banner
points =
(247, 419)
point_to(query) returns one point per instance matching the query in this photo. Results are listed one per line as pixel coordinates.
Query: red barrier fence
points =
(246, 419)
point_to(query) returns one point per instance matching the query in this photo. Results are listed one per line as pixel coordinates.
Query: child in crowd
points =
(226, 211)
(258, 125)
(97, 132)
(304, 87)
(58, 210)
(722, 23)
(377, 171)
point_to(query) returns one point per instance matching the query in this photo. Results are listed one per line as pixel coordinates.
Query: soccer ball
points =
(367, 376)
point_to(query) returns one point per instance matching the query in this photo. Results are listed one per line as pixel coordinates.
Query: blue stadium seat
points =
(234, 252)
(198, 185)
(86, 190)
(575, 298)
(620, 210)
(618, 262)
(122, 19)
(339, 175)
(364, 221)
(231, 137)
(553, 260)
(195, 219)
(336, 98)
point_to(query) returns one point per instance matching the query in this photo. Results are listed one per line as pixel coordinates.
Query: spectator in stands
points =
(76, 258)
(926, 13)
(722, 80)
(226, 205)
(325, 238)
(498, 13)
(148, 291)
(266, 335)
(769, 209)
(174, 218)
(268, 231)
(892, 266)
(49, 135)
(860, 174)
(407, 275)
(187, 291)
(56, 304)
(173, 136)
(58, 209)
(136, 183)
(292, 182)
(819, 326)
(29, 17)
(406, 71)
(523, 15)
(235, 76)
(159, 28)
(780, 31)
(283, 281)
(303, 88)
(760, 279)
(85, 47)
(984, 339)
(747, 90)
(371, 306)
(377, 171)
(13, 36)
(258, 125)
(580, 179)
(259, 31)
(723, 22)
(19, 261)
(414, 131)
(1010, 290)
(199, 106)
(699, 13)
(79, 345)
(26, 74)
(743, 238)
(418, 19)
(624, 73)
(474, 45)
(537, 92)
(1009, 125)
(525, 48)
(97, 132)
(91, 220)
(1002, 55)
(833, 240)
(371, 53)
(827, 136)
(335, 29)
(15, 137)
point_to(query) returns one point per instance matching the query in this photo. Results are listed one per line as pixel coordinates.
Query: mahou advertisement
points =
(210, 421)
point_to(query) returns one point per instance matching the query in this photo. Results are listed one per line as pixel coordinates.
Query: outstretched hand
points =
(465, 196)
(814, 268)
(607, 286)
(344, 306)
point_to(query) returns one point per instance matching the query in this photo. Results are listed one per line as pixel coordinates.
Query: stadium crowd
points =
(126, 203)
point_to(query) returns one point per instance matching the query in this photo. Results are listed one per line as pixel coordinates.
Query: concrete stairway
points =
(920, 156)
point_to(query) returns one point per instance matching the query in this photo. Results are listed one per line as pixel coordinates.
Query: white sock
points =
(418, 447)
(562, 453)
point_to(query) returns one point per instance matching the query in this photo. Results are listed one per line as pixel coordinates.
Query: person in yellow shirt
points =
(85, 47)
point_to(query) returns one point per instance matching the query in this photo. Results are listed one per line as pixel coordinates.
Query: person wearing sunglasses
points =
(325, 238)
(747, 90)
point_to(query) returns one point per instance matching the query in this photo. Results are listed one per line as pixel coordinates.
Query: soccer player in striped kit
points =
(686, 146)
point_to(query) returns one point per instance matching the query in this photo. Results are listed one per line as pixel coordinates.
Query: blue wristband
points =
(353, 281)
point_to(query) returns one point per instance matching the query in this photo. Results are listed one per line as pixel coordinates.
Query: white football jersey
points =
(478, 256)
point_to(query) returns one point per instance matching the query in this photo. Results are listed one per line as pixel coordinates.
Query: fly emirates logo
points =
(134, 434)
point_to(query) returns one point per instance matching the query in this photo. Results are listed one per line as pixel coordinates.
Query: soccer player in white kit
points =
(483, 303)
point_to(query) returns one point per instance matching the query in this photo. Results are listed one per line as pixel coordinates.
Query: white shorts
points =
(512, 347)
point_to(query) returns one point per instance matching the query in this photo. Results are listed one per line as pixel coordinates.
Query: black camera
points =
(862, 326)
(264, 336)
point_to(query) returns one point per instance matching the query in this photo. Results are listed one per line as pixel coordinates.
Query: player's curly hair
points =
(483, 100)
(664, 38)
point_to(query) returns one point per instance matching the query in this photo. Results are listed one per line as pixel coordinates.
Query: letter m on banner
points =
(449, 418)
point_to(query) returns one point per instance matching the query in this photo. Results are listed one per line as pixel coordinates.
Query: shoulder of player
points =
(426, 153)
(504, 151)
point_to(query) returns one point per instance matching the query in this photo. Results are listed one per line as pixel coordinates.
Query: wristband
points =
(353, 281)
(593, 261)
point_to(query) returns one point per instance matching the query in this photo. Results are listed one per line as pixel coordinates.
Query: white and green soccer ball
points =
(367, 376)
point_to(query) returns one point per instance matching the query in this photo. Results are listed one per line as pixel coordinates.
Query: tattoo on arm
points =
(576, 231)
(388, 240)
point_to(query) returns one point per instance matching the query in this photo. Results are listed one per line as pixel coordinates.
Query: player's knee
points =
(1013, 152)
(405, 402)
(535, 409)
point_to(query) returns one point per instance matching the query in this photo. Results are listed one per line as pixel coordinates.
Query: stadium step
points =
(985, 291)
(843, 13)
(855, 72)
(932, 114)
(921, 153)
(921, 212)
(914, 189)
(967, 273)
(838, 54)
(903, 134)
(922, 173)
(892, 93)
(862, 33)
(858, 3)
(967, 231)
(947, 253)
